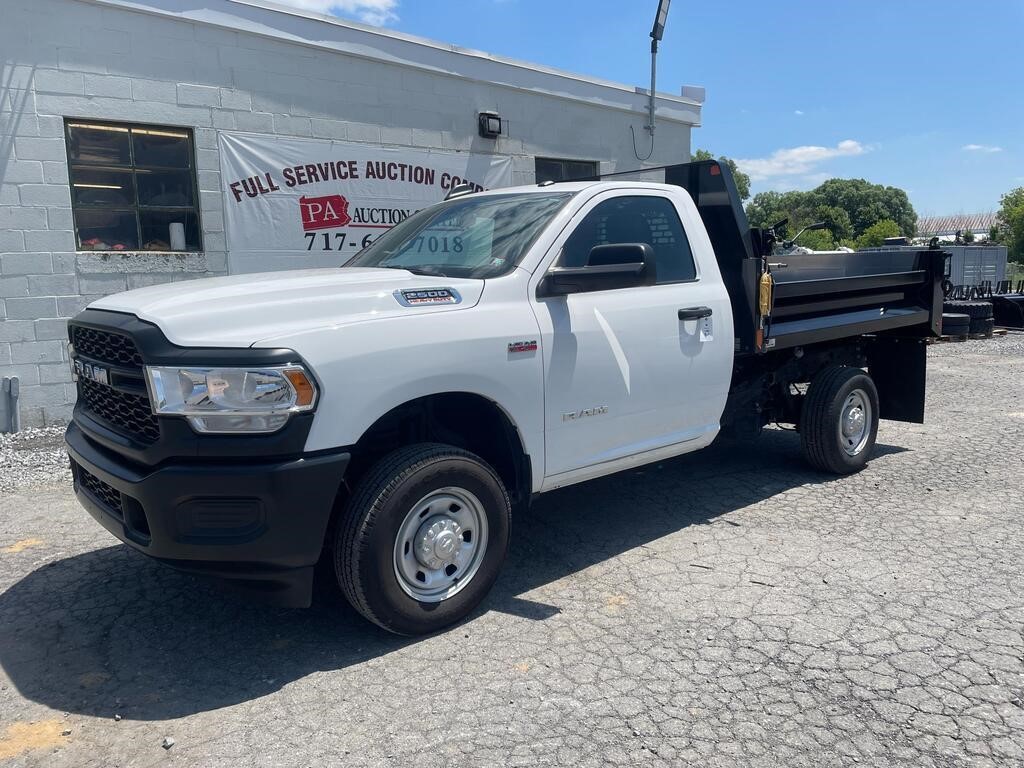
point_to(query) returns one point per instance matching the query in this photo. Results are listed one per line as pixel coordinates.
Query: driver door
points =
(625, 377)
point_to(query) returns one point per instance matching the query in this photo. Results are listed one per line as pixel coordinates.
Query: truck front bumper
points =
(260, 523)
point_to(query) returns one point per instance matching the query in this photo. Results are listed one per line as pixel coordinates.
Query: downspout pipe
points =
(12, 393)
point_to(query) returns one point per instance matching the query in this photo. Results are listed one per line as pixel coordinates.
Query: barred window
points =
(640, 219)
(133, 187)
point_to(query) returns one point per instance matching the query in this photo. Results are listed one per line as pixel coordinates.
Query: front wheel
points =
(423, 538)
(839, 420)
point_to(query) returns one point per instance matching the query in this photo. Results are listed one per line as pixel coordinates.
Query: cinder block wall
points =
(81, 59)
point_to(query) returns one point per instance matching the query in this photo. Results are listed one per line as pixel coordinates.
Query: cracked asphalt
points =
(730, 608)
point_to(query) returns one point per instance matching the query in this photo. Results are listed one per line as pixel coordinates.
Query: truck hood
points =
(241, 310)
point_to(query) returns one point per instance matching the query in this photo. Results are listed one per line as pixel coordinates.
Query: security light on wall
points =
(490, 125)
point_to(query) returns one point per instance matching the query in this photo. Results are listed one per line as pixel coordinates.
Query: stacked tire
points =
(955, 324)
(977, 314)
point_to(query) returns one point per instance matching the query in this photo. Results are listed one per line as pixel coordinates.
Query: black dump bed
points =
(818, 296)
(814, 297)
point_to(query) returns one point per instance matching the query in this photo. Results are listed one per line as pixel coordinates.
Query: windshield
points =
(476, 237)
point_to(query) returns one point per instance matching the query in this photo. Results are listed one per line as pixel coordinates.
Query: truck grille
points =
(107, 496)
(126, 412)
(106, 347)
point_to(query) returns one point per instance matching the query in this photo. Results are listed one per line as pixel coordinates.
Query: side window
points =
(641, 219)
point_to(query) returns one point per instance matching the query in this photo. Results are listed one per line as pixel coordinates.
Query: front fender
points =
(367, 369)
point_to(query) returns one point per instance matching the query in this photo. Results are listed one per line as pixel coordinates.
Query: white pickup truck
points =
(391, 414)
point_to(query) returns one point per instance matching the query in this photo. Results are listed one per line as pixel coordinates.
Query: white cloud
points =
(376, 12)
(981, 148)
(797, 161)
(798, 112)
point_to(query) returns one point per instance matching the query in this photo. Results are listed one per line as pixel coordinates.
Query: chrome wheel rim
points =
(440, 545)
(854, 427)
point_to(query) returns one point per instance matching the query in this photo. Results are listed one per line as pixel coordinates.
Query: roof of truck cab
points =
(577, 186)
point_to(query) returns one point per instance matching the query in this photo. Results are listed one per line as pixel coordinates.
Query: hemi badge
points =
(522, 346)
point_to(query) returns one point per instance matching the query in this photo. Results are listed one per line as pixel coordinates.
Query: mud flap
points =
(898, 368)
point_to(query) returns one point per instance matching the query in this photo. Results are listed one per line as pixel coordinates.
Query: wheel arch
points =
(466, 420)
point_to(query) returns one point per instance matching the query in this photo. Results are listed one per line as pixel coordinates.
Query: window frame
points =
(135, 207)
(594, 164)
(597, 202)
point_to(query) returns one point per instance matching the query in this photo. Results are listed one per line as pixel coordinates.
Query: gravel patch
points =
(33, 457)
(1010, 345)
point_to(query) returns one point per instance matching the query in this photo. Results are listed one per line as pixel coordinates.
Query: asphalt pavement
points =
(730, 608)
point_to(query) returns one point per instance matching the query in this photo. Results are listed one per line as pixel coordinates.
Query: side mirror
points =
(609, 267)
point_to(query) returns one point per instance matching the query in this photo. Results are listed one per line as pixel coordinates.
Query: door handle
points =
(694, 313)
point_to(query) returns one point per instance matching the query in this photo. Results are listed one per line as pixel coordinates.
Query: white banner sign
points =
(293, 203)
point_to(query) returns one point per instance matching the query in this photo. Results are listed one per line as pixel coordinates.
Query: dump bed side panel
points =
(825, 296)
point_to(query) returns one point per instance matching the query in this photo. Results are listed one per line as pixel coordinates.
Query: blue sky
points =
(924, 95)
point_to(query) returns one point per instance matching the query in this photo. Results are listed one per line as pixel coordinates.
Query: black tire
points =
(955, 324)
(983, 326)
(822, 414)
(364, 550)
(975, 310)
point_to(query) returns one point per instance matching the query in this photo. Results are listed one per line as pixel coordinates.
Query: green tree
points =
(837, 220)
(817, 240)
(849, 207)
(867, 203)
(875, 235)
(767, 208)
(968, 236)
(741, 179)
(1010, 223)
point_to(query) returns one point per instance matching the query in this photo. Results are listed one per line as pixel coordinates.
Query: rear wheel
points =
(423, 538)
(839, 420)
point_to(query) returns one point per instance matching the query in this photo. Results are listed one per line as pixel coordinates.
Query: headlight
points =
(231, 399)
